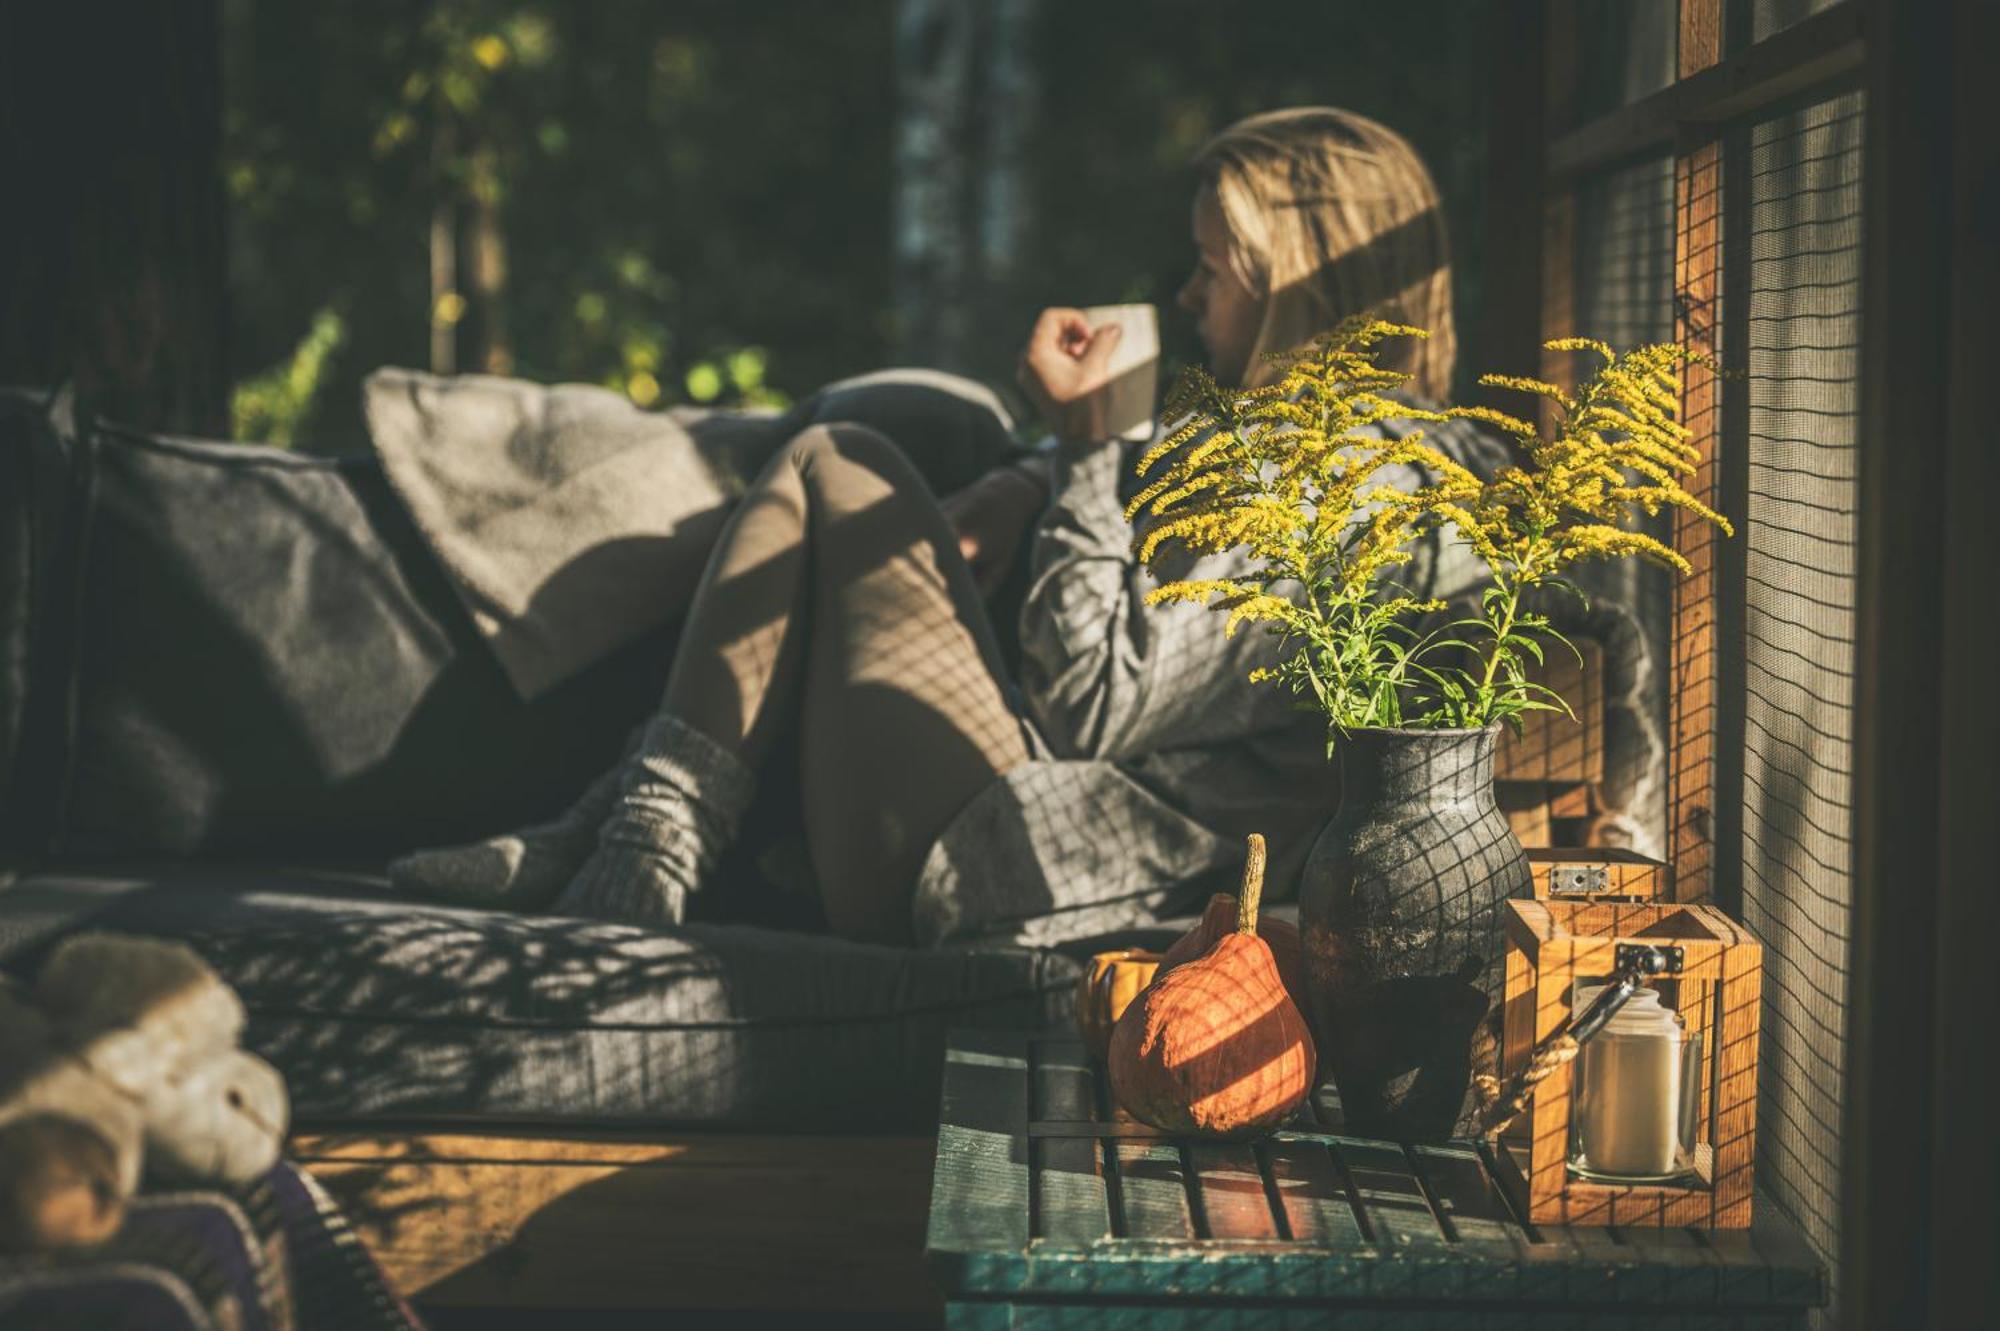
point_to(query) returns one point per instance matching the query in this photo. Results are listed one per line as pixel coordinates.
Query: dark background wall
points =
(236, 208)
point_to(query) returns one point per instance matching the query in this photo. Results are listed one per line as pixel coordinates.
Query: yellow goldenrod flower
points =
(1302, 475)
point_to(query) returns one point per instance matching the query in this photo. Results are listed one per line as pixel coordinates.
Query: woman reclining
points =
(1117, 773)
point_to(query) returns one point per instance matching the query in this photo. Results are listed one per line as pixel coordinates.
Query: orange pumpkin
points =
(1216, 1047)
(1220, 919)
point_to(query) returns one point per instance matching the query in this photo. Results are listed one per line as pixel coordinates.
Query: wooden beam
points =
(1963, 1220)
(1904, 621)
(1713, 90)
(1558, 209)
(1691, 786)
(624, 1220)
(1508, 339)
(112, 256)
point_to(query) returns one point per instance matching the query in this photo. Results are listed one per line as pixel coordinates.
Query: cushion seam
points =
(717, 1024)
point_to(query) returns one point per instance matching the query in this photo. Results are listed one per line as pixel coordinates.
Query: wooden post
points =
(1963, 1221)
(1914, 704)
(1560, 59)
(1508, 338)
(1691, 797)
(111, 238)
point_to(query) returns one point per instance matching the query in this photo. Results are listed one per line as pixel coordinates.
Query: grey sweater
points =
(1154, 754)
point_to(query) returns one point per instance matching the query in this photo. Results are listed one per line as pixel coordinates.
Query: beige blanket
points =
(572, 521)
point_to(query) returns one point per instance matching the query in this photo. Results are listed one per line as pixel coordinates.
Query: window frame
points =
(1917, 1223)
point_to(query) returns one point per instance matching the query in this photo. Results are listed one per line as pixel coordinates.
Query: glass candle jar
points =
(1636, 1094)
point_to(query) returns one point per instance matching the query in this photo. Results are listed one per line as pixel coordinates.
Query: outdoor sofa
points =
(234, 682)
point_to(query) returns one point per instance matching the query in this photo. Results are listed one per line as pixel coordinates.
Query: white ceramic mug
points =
(1133, 391)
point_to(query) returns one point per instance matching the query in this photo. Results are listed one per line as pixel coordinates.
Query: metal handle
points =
(1637, 964)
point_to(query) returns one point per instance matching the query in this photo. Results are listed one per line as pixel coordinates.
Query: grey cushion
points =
(374, 1006)
(264, 660)
(212, 649)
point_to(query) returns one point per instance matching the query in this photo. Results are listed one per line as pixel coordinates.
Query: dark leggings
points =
(836, 598)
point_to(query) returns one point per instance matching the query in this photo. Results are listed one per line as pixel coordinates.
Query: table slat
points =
(1468, 1200)
(1311, 1193)
(1233, 1199)
(1391, 1199)
(1071, 1205)
(979, 1192)
(1152, 1191)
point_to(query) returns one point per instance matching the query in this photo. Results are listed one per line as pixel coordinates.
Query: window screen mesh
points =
(1630, 49)
(1801, 334)
(1768, 16)
(1623, 294)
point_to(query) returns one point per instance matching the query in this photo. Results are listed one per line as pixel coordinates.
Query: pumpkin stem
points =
(1253, 887)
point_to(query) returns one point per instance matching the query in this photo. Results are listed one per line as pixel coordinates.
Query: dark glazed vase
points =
(1400, 910)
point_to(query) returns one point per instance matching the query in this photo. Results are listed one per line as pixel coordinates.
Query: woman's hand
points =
(990, 516)
(1063, 366)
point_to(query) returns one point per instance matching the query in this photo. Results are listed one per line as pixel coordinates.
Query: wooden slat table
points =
(1049, 1211)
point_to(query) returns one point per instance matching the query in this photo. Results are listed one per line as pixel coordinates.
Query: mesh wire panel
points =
(1802, 334)
(1623, 294)
(1768, 16)
(1630, 49)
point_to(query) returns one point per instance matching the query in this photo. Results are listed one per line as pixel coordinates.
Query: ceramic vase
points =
(1399, 907)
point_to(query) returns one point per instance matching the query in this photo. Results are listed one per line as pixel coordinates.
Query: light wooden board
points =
(630, 1221)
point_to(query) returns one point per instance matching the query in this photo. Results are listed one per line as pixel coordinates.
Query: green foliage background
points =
(700, 193)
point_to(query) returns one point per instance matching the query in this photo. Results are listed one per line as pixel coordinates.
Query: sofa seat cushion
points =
(374, 1006)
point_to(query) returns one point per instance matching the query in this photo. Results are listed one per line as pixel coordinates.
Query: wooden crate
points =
(1552, 944)
(1572, 873)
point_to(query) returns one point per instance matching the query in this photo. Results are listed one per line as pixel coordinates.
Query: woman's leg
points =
(837, 586)
(904, 717)
(725, 669)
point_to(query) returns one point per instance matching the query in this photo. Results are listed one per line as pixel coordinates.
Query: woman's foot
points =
(683, 796)
(519, 870)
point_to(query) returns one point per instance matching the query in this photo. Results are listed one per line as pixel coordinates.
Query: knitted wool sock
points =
(684, 795)
(520, 870)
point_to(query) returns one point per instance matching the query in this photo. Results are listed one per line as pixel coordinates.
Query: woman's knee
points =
(844, 444)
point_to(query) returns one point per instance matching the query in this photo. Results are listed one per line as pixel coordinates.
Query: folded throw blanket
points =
(571, 521)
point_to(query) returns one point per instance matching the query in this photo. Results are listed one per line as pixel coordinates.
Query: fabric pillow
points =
(260, 658)
(571, 521)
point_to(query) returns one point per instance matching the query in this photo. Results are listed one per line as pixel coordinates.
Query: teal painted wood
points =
(1239, 1316)
(1045, 1211)
(1070, 1205)
(1230, 1188)
(1152, 1191)
(979, 1188)
(1312, 1197)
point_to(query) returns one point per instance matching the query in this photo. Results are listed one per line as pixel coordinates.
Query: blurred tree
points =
(111, 241)
(714, 202)
(685, 202)
(965, 94)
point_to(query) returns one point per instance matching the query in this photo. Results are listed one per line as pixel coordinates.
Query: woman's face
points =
(1226, 313)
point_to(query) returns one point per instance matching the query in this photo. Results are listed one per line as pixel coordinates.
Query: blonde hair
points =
(1330, 215)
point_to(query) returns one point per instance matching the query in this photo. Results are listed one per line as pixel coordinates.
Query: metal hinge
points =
(1579, 880)
(1665, 958)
